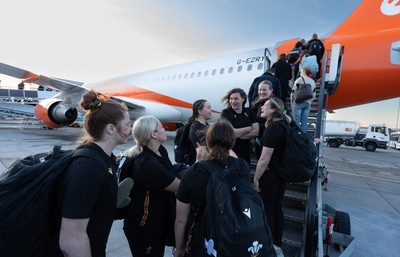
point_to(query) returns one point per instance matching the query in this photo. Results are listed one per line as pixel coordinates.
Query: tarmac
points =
(364, 184)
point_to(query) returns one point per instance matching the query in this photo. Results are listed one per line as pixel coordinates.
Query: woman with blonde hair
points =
(266, 178)
(151, 214)
(265, 91)
(300, 111)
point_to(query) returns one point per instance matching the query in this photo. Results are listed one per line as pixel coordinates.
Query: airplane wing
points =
(73, 90)
(30, 77)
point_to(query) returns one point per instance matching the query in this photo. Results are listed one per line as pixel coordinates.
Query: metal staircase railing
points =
(300, 199)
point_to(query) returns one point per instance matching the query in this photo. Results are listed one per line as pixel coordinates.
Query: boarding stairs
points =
(18, 104)
(296, 201)
(300, 199)
(16, 114)
(19, 96)
(296, 204)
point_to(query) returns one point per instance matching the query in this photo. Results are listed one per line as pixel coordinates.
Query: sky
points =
(90, 40)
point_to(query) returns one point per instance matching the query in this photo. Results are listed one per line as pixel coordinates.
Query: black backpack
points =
(30, 212)
(316, 48)
(299, 155)
(234, 222)
(293, 55)
(183, 148)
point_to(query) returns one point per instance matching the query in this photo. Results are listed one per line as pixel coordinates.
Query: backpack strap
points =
(291, 125)
(119, 168)
(214, 168)
(92, 154)
(211, 167)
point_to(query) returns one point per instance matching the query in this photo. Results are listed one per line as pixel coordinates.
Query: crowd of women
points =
(162, 204)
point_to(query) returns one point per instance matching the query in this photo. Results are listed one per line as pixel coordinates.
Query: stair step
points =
(301, 187)
(294, 214)
(295, 195)
(292, 236)
(290, 251)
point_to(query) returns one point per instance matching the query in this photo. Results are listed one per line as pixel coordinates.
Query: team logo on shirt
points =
(255, 248)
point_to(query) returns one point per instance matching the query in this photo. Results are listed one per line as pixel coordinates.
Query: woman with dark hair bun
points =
(199, 123)
(88, 190)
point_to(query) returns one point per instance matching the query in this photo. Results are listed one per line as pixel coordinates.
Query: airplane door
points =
(267, 59)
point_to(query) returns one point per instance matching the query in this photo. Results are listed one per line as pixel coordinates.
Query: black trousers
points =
(147, 241)
(272, 192)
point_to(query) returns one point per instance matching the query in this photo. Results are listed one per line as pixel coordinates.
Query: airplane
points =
(369, 72)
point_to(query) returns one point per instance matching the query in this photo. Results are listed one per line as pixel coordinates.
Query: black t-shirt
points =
(149, 200)
(91, 192)
(240, 120)
(274, 137)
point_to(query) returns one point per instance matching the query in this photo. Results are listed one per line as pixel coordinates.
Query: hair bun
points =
(90, 101)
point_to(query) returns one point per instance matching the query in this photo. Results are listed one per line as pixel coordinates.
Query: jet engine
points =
(54, 113)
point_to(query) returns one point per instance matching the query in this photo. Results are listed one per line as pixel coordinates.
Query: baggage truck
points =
(350, 133)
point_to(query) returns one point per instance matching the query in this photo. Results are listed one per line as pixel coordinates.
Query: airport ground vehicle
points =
(394, 141)
(349, 133)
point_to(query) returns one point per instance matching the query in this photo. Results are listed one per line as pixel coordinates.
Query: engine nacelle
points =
(171, 126)
(53, 113)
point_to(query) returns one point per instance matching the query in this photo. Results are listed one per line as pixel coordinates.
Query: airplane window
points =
(158, 79)
(239, 68)
(206, 73)
(214, 72)
(222, 71)
(199, 74)
(230, 69)
(192, 75)
(174, 77)
(249, 67)
(186, 75)
(163, 78)
(260, 66)
(180, 76)
(168, 78)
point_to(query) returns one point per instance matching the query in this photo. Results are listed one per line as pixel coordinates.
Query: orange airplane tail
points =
(371, 16)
